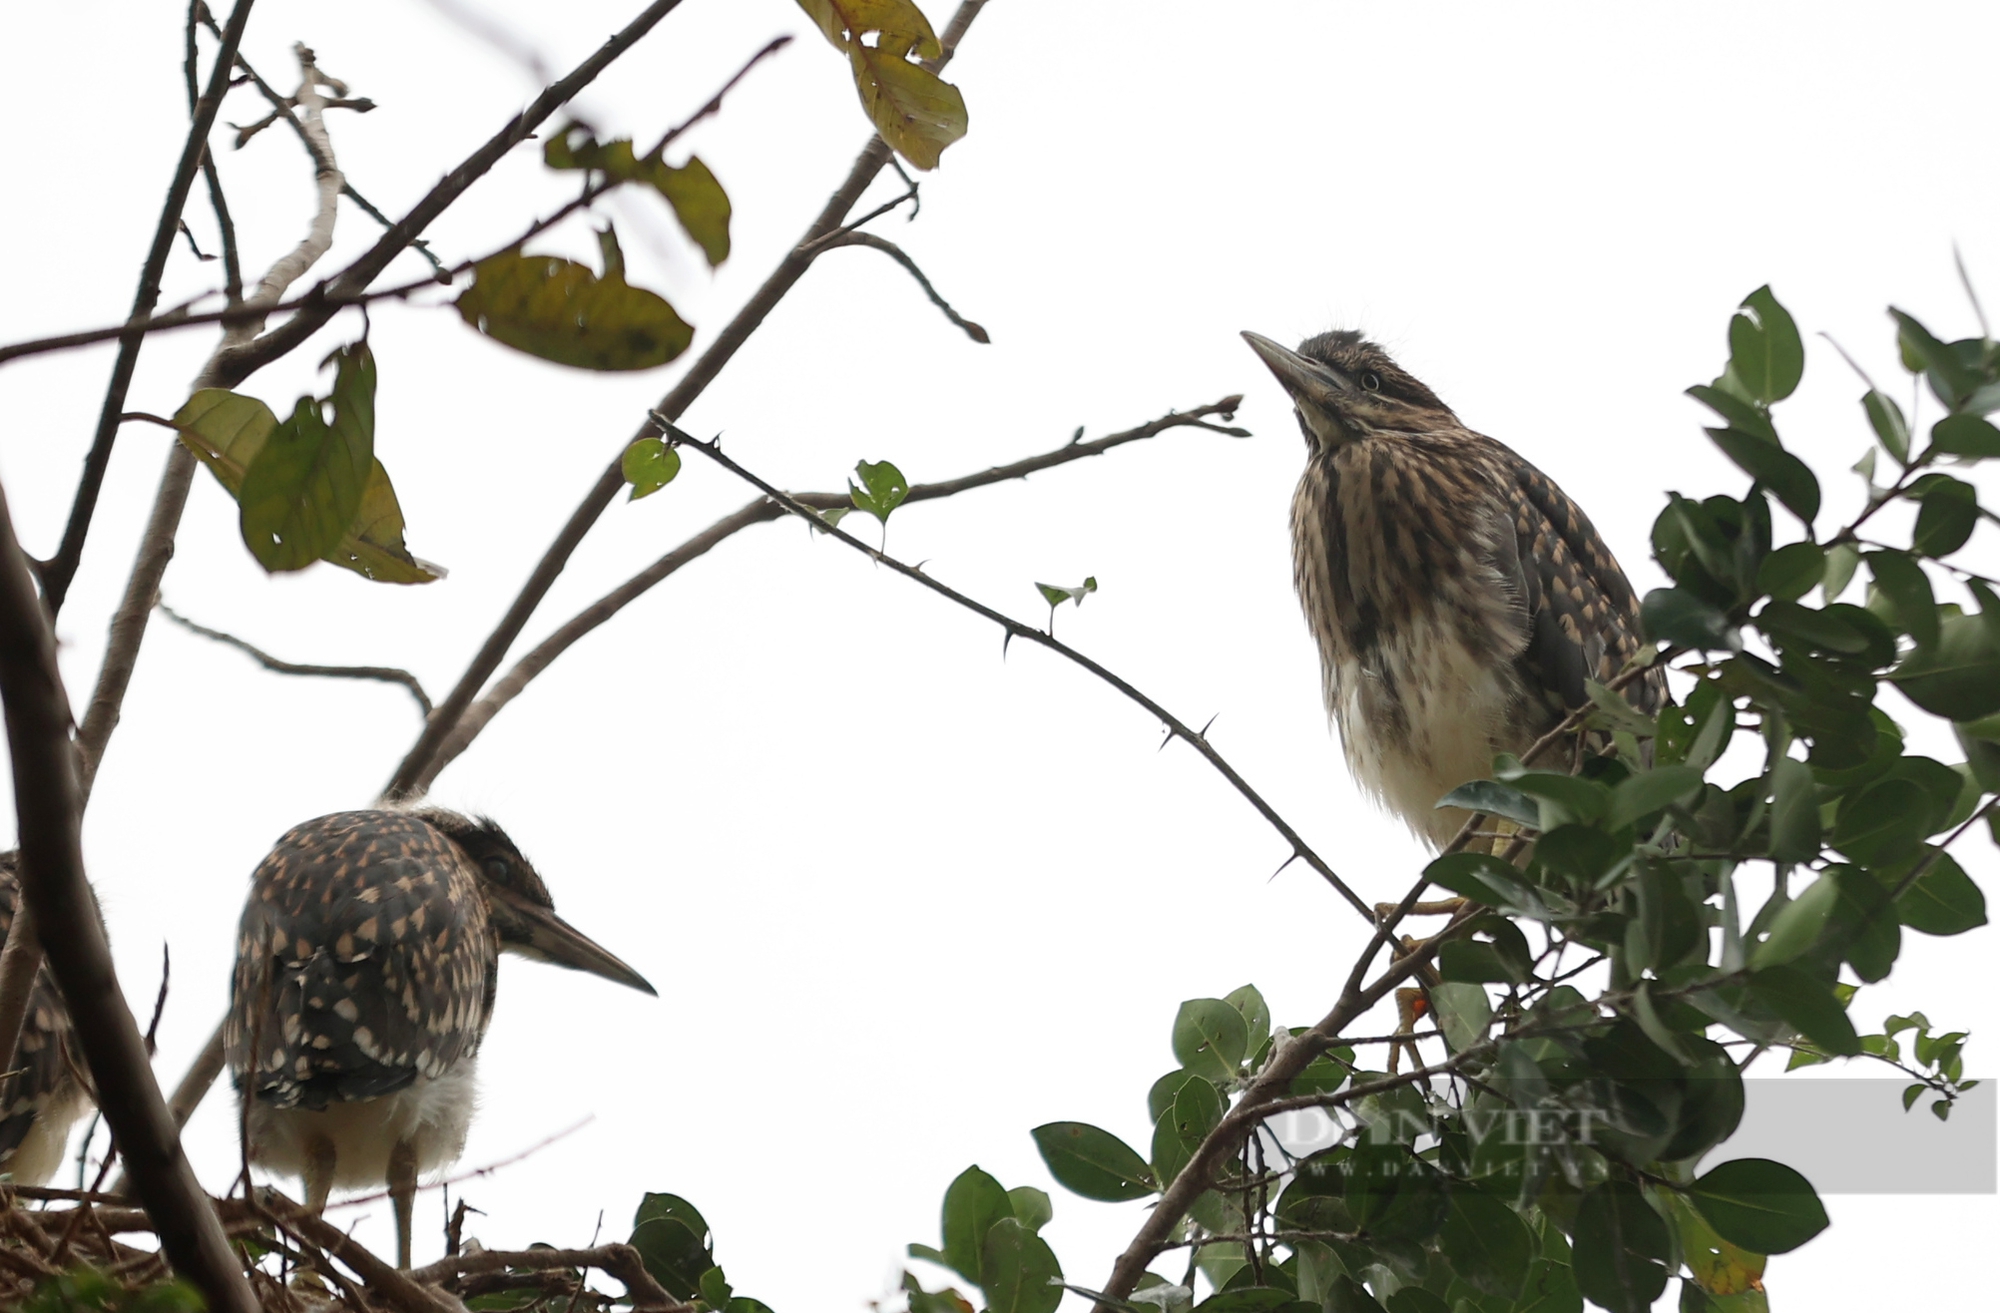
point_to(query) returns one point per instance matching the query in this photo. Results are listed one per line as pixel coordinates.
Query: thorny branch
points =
(762, 511)
(384, 674)
(1015, 629)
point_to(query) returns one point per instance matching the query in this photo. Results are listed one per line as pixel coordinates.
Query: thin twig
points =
(382, 674)
(620, 1261)
(762, 511)
(61, 568)
(403, 782)
(1015, 629)
(847, 237)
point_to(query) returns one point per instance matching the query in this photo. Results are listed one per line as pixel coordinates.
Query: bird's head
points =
(518, 904)
(1344, 387)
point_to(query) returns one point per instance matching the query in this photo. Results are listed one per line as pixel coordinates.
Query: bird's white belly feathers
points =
(45, 1146)
(1420, 719)
(434, 1113)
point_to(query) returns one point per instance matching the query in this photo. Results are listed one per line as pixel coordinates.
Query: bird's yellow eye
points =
(1371, 380)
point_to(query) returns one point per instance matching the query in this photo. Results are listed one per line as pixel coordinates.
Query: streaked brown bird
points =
(365, 971)
(1459, 598)
(44, 1092)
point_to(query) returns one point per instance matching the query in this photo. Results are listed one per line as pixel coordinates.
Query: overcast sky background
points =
(904, 899)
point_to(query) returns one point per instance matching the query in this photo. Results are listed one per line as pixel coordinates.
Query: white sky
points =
(905, 900)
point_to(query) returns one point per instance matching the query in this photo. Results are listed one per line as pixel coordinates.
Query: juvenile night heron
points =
(43, 1093)
(1459, 599)
(365, 971)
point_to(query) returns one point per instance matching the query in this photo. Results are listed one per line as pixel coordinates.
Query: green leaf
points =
(1944, 900)
(1196, 1110)
(1795, 823)
(1020, 1270)
(1246, 1299)
(1495, 799)
(1641, 795)
(1841, 561)
(1550, 1288)
(1210, 1037)
(1774, 467)
(714, 1287)
(1959, 676)
(1032, 1207)
(1945, 518)
(1948, 376)
(302, 491)
(1807, 1005)
(973, 1204)
(1870, 935)
(1792, 571)
(1056, 594)
(916, 113)
(1741, 413)
(1765, 353)
(1908, 589)
(1759, 1205)
(1798, 925)
(1881, 823)
(1486, 1242)
(1620, 1248)
(226, 431)
(1891, 429)
(1464, 1012)
(1674, 615)
(698, 202)
(649, 465)
(673, 1241)
(881, 491)
(559, 310)
(1965, 435)
(1093, 1163)
(1256, 1013)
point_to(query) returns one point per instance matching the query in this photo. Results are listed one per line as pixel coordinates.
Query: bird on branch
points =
(366, 964)
(43, 1090)
(1459, 598)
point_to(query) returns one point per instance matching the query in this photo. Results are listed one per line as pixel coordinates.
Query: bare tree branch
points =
(621, 1261)
(848, 237)
(403, 783)
(383, 674)
(49, 807)
(61, 568)
(1015, 629)
(763, 511)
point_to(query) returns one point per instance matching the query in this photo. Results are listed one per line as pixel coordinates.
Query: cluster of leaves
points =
(89, 1289)
(917, 112)
(1558, 1159)
(310, 488)
(679, 1252)
(991, 1237)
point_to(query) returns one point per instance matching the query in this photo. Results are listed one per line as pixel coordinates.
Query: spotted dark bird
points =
(365, 971)
(1459, 598)
(45, 1090)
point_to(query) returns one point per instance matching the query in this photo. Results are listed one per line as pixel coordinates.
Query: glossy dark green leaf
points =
(1866, 922)
(1891, 429)
(1839, 628)
(1808, 1005)
(1648, 791)
(1965, 435)
(1951, 381)
(673, 1241)
(1736, 410)
(1674, 615)
(1210, 1037)
(881, 490)
(1841, 561)
(1019, 1270)
(1620, 1249)
(1943, 900)
(1463, 1013)
(1093, 1163)
(973, 1204)
(302, 491)
(1478, 876)
(1247, 1299)
(1881, 823)
(1563, 799)
(1486, 1242)
(1771, 465)
(559, 310)
(1945, 519)
(1981, 741)
(1393, 1193)
(1759, 1205)
(1249, 1001)
(1415, 1299)
(1161, 1096)
(1495, 799)
(1792, 571)
(1959, 676)
(1765, 353)
(1903, 582)
(649, 465)
(1032, 1207)
(715, 1288)
(1795, 822)
(1550, 1288)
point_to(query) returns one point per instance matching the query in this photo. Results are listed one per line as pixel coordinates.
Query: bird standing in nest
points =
(44, 1090)
(1459, 598)
(365, 972)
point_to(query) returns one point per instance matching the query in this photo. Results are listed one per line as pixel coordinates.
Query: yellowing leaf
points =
(225, 430)
(699, 203)
(917, 112)
(373, 544)
(561, 311)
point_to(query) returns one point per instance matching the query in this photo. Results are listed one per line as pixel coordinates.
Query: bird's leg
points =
(320, 1160)
(403, 1193)
(1439, 907)
(1412, 1002)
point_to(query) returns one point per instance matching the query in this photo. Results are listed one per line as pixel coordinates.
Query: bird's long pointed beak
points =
(555, 940)
(1305, 379)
